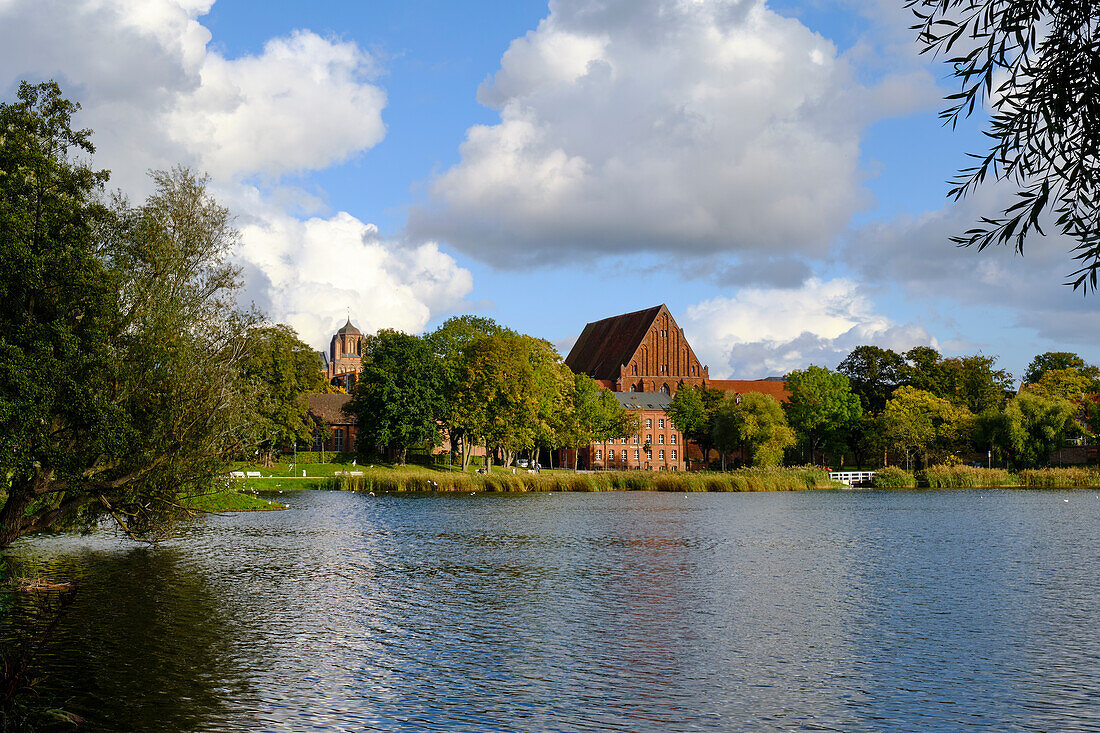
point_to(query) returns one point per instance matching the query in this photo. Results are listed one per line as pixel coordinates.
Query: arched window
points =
(634, 369)
(664, 389)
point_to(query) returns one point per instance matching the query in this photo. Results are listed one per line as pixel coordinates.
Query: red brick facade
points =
(647, 354)
(345, 356)
(327, 410)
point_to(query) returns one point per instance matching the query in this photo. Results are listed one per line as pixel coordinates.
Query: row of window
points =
(649, 439)
(648, 455)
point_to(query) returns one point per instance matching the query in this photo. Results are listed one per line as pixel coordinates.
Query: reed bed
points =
(425, 480)
(1047, 478)
(967, 477)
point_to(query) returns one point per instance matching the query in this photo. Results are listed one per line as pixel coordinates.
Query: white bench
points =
(253, 474)
(236, 474)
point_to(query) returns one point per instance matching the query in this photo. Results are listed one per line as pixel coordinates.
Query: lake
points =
(816, 611)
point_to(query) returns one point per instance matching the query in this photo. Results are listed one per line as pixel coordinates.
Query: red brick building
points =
(345, 356)
(327, 410)
(644, 357)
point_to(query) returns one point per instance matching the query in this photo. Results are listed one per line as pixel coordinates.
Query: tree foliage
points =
(449, 343)
(691, 411)
(1061, 360)
(281, 370)
(873, 373)
(119, 339)
(398, 397)
(822, 406)
(1036, 426)
(757, 423)
(917, 421)
(1034, 63)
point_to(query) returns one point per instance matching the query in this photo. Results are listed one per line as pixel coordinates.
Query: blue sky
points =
(774, 172)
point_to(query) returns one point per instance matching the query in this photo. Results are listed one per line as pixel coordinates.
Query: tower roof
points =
(348, 329)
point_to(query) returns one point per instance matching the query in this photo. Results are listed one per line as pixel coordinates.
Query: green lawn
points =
(230, 501)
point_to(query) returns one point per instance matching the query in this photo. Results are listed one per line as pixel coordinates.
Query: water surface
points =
(847, 611)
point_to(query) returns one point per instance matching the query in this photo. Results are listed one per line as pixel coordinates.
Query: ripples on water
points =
(848, 611)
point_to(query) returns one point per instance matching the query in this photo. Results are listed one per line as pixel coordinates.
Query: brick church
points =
(643, 358)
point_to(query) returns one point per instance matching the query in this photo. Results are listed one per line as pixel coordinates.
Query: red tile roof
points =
(329, 408)
(775, 388)
(605, 346)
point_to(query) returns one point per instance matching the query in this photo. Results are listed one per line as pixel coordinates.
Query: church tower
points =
(345, 356)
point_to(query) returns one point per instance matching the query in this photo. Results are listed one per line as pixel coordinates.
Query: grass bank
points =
(422, 479)
(229, 501)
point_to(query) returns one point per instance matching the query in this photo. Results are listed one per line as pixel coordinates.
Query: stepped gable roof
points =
(347, 329)
(605, 346)
(329, 409)
(776, 388)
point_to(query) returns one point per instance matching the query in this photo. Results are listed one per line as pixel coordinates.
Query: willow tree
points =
(120, 342)
(1033, 62)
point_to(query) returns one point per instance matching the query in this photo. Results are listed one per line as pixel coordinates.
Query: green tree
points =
(1059, 361)
(873, 374)
(497, 400)
(917, 421)
(1033, 64)
(691, 411)
(822, 406)
(1063, 384)
(398, 396)
(1037, 426)
(597, 415)
(755, 423)
(281, 370)
(449, 343)
(119, 340)
(973, 382)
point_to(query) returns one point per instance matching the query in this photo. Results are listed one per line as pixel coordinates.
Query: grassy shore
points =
(423, 479)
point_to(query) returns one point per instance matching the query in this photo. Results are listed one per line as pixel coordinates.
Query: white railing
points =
(853, 478)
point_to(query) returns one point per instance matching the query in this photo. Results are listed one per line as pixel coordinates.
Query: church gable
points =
(643, 351)
(664, 354)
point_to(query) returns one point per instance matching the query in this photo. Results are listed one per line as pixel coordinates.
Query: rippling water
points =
(849, 611)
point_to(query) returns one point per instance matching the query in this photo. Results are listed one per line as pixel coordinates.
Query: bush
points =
(892, 477)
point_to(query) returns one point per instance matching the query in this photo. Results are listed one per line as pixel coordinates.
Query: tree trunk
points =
(401, 455)
(11, 516)
(488, 458)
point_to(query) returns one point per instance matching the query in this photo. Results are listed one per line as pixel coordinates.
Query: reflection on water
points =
(855, 611)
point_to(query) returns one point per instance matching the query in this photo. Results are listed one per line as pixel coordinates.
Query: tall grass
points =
(424, 480)
(1046, 478)
(892, 477)
(967, 477)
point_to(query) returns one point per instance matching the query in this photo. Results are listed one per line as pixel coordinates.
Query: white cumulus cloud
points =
(156, 93)
(663, 125)
(762, 332)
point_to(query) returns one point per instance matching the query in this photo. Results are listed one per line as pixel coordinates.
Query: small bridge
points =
(853, 478)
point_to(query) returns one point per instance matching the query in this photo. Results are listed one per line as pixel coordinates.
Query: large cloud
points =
(156, 94)
(763, 332)
(688, 127)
